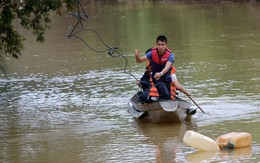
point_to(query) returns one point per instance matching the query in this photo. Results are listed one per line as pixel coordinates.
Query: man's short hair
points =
(161, 38)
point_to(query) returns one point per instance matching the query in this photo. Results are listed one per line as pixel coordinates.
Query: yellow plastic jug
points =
(234, 140)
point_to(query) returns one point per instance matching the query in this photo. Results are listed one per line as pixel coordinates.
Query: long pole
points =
(196, 104)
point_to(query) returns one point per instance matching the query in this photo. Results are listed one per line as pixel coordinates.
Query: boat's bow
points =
(161, 111)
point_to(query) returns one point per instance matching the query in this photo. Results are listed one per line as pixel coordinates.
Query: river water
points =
(63, 102)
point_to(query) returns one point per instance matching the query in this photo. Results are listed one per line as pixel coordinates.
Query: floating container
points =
(234, 140)
(200, 141)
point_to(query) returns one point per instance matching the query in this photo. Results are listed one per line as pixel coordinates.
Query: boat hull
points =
(167, 111)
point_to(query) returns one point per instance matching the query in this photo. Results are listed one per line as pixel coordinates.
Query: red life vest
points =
(160, 59)
(158, 62)
(154, 91)
(173, 88)
(173, 91)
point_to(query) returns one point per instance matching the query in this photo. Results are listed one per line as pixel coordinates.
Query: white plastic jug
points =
(200, 141)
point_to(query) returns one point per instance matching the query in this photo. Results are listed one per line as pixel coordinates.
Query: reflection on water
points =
(237, 155)
(65, 103)
(167, 139)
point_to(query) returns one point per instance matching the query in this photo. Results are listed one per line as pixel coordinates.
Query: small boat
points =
(161, 111)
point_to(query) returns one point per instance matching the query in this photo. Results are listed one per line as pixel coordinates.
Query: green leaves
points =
(32, 15)
(10, 39)
(35, 15)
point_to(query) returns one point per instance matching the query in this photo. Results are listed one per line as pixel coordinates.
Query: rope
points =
(75, 30)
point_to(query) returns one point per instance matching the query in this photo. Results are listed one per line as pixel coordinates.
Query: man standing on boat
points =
(161, 59)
